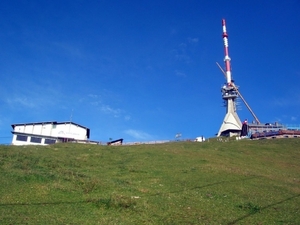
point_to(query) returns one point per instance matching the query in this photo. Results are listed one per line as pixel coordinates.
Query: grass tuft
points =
(250, 207)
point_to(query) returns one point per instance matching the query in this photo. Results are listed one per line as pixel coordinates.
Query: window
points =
(50, 141)
(35, 140)
(53, 126)
(21, 138)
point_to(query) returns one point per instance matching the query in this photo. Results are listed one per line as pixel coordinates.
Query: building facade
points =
(45, 133)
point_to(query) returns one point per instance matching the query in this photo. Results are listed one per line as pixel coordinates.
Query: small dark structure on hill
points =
(116, 142)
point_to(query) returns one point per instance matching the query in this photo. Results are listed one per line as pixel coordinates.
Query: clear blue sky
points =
(146, 70)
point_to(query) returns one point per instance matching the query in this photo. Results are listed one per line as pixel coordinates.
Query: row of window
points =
(35, 139)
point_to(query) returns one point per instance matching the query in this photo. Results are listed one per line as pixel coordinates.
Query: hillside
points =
(235, 182)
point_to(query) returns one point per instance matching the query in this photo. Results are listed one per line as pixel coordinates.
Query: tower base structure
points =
(231, 125)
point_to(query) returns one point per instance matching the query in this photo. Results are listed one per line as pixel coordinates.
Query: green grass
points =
(235, 182)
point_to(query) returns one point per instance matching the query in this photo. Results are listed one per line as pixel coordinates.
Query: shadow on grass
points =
(204, 186)
(262, 208)
(45, 203)
(120, 203)
(101, 200)
(112, 202)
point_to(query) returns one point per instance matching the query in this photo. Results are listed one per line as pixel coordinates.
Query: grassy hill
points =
(235, 182)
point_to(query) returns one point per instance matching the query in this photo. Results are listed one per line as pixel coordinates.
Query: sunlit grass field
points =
(234, 182)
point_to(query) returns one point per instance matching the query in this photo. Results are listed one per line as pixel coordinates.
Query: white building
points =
(200, 139)
(44, 133)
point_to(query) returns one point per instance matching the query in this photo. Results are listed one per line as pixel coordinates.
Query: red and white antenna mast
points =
(227, 58)
(231, 124)
(230, 85)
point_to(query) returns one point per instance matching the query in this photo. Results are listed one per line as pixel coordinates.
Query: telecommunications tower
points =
(231, 124)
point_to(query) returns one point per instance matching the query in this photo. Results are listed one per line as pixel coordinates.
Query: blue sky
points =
(146, 70)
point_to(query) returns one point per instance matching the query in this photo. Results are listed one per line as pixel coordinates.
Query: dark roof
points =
(52, 122)
(119, 140)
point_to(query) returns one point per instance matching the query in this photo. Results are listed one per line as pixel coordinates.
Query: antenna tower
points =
(231, 124)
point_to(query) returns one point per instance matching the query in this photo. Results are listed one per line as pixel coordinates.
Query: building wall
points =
(32, 140)
(69, 131)
(43, 134)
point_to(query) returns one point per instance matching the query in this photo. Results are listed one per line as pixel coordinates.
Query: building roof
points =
(52, 122)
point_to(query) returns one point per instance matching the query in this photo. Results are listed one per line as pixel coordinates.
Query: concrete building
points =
(44, 133)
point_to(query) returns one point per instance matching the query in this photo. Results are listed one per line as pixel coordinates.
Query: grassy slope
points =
(235, 182)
